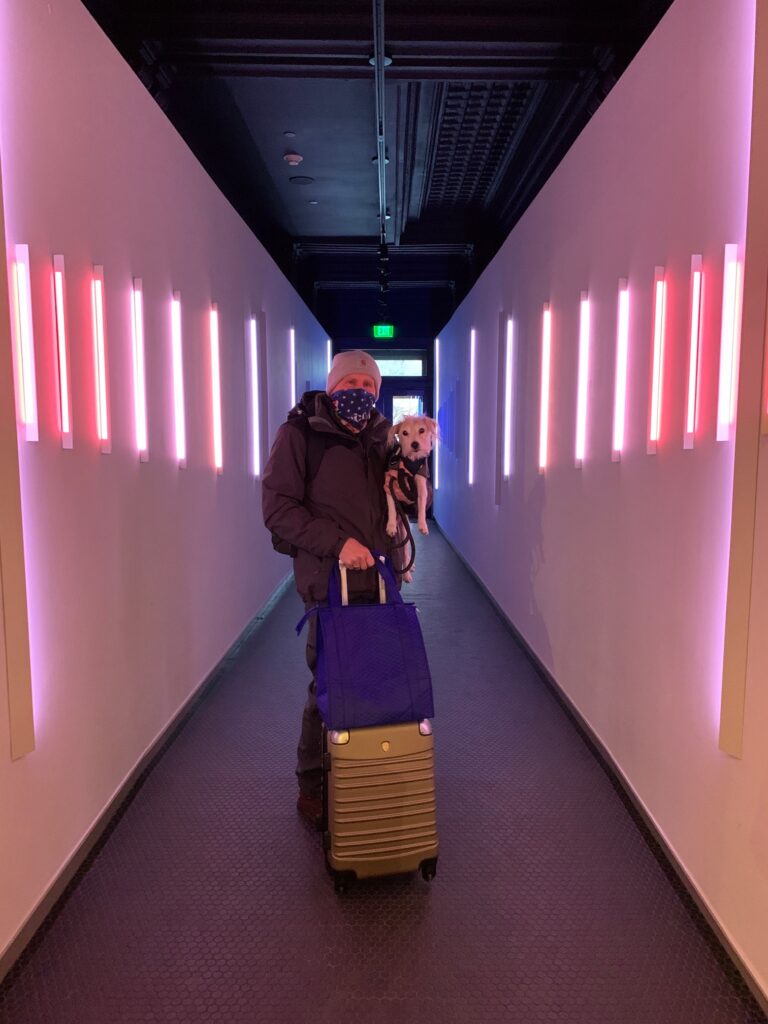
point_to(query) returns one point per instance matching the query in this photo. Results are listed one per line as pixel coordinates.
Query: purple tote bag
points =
(371, 663)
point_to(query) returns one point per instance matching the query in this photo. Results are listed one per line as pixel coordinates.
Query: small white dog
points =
(407, 478)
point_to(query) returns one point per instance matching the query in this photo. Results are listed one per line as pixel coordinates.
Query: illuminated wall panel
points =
(218, 454)
(24, 345)
(61, 361)
(694, 352)
(139, 372)
(729, 344)
(471, 458)
(177, 364)
(583, 381)
(657, 359)
(253, 376)
(509, 384)
(622, 355)
(546, 356)
(100, 359)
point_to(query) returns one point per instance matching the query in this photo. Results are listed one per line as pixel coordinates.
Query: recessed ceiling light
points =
(375, 159)
(300, 179)
(386, 62)
(290, 135)
(293, 159)
(313, 202)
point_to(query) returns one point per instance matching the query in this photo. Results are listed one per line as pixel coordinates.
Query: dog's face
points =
(416, 435)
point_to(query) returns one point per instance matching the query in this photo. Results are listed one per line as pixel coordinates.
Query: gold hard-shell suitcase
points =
(380, 802)
(379, 797)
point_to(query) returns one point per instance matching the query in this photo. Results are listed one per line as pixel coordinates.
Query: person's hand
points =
(355, 555)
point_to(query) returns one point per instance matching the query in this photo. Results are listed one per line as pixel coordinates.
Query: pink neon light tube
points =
(583, 382)
(546, 355)
(139, 372)
(657, 368)
(729, 343)
(622, 356)
(509, 381)
(25, 345)
(471, 467)
(694, 348)
(218, 456)
(293, 366)
(177, 361)
(100, 358)
(254, 363)
(436, 448)
(62, 353)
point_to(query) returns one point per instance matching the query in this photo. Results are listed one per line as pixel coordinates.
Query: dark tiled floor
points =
(210, 901)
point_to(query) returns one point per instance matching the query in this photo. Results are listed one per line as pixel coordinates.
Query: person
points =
(334, 512)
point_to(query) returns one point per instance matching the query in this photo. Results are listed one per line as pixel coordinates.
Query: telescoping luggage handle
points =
(338, 590)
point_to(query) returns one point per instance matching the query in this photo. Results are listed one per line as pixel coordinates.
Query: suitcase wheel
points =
(342, 881)
(429, 869)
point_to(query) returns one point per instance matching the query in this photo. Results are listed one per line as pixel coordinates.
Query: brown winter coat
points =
(345, 498)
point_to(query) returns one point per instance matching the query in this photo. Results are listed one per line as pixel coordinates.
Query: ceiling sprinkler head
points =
(293, 159)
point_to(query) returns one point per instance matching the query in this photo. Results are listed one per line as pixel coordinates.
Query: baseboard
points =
(47, 909)
(709, 925)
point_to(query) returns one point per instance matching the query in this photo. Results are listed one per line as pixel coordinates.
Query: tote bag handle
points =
(338, 592)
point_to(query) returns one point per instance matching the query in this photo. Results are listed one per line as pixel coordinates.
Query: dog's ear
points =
(432, 424)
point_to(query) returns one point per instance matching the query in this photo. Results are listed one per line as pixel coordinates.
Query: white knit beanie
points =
(352, 361)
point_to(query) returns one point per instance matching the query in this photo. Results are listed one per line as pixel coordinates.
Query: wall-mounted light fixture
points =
(729, 343)
(622, 355)
(177, 364)
(292, 340)
(328, 355)
(253, 364)
(546, 358)
(657, 359)
(218, 454)
(61, 361)
(471, 458)
(139, 372)
(24, 347)
(583, 380)
(436, 447)
(694, 351)
(509, 383)
(100, 359)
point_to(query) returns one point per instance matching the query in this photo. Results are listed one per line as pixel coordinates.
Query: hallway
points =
(209, 900)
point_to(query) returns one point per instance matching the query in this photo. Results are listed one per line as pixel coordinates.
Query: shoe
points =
(311, 809)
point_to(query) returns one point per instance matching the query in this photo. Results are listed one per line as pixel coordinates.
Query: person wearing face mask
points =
(329, 511)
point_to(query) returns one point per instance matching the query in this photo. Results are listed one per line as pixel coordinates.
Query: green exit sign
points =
(383, 330)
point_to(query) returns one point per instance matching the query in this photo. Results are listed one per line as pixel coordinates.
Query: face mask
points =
(354, 405)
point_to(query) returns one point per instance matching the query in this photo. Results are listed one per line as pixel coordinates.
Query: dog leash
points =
(405, 521)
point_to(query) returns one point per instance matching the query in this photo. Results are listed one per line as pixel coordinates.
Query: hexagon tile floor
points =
(209, 900)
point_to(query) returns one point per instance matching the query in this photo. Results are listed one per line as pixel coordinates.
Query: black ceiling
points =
(482, 100)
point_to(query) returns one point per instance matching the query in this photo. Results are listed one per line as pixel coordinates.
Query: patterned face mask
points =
(354, 405)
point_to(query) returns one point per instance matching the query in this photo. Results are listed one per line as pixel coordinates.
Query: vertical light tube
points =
(471, 459)
(546, 356)
(729, 344)
(293, 366)
(177, 363)
(583, 382)
(329, 355)
(509, 383)
(657, 364)
(100, 359)
(62, 353)
(218, 456)
(694, 349)
(139, 372)
(622, 354)
(26, 387)
(253, 362)
(436, 447)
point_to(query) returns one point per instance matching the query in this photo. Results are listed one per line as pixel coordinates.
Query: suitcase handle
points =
(345, 585)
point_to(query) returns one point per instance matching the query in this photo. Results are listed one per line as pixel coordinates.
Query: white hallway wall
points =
(616, 573)
(140, 576)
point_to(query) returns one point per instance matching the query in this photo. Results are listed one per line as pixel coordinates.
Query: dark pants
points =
(309, 762)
